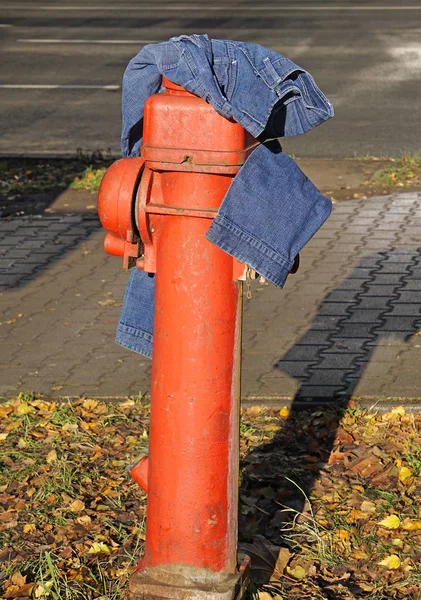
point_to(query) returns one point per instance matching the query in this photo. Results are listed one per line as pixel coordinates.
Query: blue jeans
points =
(264, 229)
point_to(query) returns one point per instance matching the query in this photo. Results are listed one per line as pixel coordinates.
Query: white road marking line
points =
(5, 25)
(16, 86)
(63, 41)
(212, 8)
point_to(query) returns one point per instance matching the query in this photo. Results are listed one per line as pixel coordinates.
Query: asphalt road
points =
(365, 55)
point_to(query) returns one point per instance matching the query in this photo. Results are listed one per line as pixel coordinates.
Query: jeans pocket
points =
(275, 72)
(225, 70)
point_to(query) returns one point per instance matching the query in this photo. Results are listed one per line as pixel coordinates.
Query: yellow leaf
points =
(18, 579)
(390, 522)
(51, 457)
(398, 410)
(3, 436)
(410, 525)
(358, 488)
(77, 506)
(390, 562)
(284, 412)
(357, 514)
(343, 534)
(83, 520)
(24, 409)
(366, 587)
(13, 425)
(397, 542)
(22, 443)
(359, 555)
(90, 405)
(297, 572)
(43, 589)
(264, 596)
(271, 427)
(29, 528)
(404, 474)
(71, 427)
(99, 548)
(368, 507)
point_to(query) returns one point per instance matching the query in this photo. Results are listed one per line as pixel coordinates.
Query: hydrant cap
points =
(116, 194)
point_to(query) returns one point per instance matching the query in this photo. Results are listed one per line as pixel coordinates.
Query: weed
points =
(89, 180)
(405, 171)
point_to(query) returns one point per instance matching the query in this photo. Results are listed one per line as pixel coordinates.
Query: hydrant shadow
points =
(372, 314)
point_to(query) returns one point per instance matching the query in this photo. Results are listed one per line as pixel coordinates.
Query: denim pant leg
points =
(135, 328)
(270, 212)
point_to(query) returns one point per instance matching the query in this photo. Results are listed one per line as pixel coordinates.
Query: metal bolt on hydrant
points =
(157, 209)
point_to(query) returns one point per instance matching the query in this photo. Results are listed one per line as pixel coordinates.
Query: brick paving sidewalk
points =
(346, 324)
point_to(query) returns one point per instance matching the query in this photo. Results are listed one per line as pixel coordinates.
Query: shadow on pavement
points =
(41, 219)
(371, 311)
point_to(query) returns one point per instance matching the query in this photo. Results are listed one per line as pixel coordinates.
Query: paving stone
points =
(321, 392)
(354, 330)
(336, 360)
(368, 316)
(404, 324)
(335, 309)
(406, 309)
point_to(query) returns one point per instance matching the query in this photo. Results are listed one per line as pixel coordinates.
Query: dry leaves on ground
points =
(329, 500)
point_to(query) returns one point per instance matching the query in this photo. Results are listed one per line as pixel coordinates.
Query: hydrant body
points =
(191, 155)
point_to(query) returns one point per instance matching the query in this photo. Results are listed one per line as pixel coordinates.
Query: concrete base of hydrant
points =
(179, 582)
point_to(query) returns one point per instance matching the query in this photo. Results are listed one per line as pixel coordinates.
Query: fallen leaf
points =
(404, 474)
(297, 572)
(359, 555)
(77, 506)
(390, 562)
(390, 522)
(365, 586)
(397, 542)
(51, 457)
(83, 520)
(284, 412)
(18, 579)
(410, 525)
(43, 589)
(29, 528)
(13, 425)
(343, 534)
(99, 548)
(368, 507)
(70, 427)
(283, 559)
(24, 409)
(90, 405)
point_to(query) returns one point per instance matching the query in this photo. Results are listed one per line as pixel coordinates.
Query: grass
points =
(404, 172)
(315, 487)
(21, 176)
(89, 180)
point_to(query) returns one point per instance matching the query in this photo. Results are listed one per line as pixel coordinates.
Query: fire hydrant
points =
(157, 209)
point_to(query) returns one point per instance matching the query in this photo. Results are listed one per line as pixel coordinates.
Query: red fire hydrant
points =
(157, 209)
